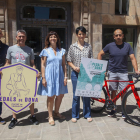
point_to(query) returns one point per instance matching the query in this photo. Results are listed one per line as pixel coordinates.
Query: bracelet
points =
(43, 77)
(65, 77)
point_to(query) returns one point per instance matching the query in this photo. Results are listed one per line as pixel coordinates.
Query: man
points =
(117, 68)
(3, 51)
(21, 53)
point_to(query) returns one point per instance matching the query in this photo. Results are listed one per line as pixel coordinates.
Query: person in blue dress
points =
(54, 76)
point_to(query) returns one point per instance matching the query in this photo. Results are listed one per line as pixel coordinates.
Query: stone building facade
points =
(94, 15)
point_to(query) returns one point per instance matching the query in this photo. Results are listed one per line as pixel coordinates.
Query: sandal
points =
(89, 119)
(52, 123)
(74, 120)
(58, 116)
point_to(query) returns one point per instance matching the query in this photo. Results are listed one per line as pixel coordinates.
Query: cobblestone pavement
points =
(102, 127)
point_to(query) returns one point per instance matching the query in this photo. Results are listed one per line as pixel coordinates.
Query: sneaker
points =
(112, 113)
(34, 120)
(2, 121)
(123, 116)
(12, 123)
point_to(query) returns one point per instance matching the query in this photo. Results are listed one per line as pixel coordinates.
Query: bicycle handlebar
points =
(137, 79)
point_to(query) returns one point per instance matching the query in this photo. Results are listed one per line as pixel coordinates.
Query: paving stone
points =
(98, 119)
(48, 128)
(10, 133)
(77, 136)
(35, 128)
(63, 125)
(24, 130)
(50, 136)
(117, 132)
(103, 127)
(132, 132)
(34, 139)
(91, 132)
(99, 138)
(83, 122)
(34, 135)
(122, 138)
(2, 127)
(74, 127)
(22, 137)
(108, 136)
(64, 134)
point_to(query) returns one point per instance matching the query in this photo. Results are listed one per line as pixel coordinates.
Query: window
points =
(129, 37)
(39, 12)
(121, 7)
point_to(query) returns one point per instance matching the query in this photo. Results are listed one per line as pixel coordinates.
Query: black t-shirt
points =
(118, 55)
(3, 52)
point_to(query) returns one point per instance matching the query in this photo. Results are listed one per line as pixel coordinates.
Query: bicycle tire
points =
(131, 110)
(97, 106)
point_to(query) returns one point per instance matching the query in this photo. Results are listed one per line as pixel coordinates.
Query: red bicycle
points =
(130, 102)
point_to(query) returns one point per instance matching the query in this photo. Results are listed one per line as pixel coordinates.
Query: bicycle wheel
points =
(131, 110)
(97, 106)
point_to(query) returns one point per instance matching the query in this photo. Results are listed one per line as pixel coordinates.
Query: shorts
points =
(120, 77)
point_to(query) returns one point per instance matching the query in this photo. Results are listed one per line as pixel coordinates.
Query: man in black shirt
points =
(3, 52)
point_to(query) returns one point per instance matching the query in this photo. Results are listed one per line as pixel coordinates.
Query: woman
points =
(76, 52)
(54, 76)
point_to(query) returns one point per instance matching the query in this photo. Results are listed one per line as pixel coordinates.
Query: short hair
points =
(22, 31)
(117, 29)
(81, 28)
(47, 43)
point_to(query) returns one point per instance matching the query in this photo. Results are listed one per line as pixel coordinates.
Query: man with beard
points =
(24, 54)
(117, 68)
(3, 51)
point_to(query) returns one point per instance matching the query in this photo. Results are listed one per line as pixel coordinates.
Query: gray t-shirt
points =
(20, 54)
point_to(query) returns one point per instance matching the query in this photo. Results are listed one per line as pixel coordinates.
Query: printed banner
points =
(18, 86)
(91, 77)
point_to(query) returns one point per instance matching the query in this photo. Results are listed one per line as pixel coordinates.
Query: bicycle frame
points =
(120, 93)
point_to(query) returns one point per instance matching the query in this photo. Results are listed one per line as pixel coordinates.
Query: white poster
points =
(91, 77)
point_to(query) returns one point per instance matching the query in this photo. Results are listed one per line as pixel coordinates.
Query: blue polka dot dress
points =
(53, 73)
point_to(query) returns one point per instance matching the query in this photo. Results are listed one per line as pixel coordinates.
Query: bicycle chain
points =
(110, 105)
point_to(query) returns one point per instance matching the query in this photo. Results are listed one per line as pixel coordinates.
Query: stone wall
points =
(95, 20)
(109, 17)
(3, 21)
(76, 17)
(12, 21)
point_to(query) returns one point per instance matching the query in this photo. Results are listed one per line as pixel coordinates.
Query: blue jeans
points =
(76, 100)
(0, 108)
